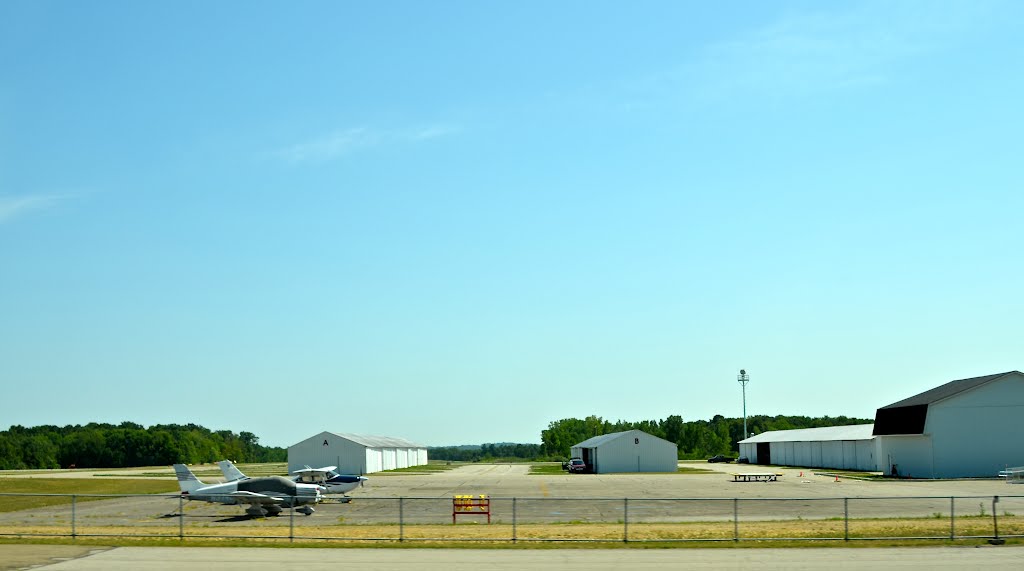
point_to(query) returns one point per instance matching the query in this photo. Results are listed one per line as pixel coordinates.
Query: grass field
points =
(828, 530)
(431, 468)
(72, 486)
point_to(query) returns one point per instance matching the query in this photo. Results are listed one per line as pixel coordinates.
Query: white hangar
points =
(847, 447)
(629, 451)
(355, 453)
(962, 429)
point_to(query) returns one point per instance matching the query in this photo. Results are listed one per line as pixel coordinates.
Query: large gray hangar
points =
(355, 453)
(962, 429)
(966, 428)
(629, 451)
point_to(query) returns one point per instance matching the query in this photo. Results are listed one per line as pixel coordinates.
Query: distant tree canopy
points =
(695, 439)
(126, 445)
(486, 452)
(129, 444)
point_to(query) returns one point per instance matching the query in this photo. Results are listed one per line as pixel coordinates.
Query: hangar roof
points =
(849, 432)
(908, 416)
(599, 440)
(377, 441)
(947, 390)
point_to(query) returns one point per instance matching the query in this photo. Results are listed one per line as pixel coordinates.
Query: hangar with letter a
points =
(963, 429)
(355, 453)
(629, 451)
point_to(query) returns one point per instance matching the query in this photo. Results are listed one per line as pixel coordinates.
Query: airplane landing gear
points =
(306, 510)
(256, 511)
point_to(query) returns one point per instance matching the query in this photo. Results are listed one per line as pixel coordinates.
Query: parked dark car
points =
(743, 460)
(576, 466)
(720, 458)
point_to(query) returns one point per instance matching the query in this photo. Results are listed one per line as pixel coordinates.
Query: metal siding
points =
(912, 453)
(750, 451)
(866, 456)
(374, 460)
(804, 453)
(832, 454)
(615, 456)
(973, 433)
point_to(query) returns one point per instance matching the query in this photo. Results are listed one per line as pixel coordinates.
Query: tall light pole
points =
(743, 379)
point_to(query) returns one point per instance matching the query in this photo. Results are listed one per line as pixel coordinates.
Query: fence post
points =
(995, 523)
(73, 531)
(952, 519)
(735, 519)
(846, 519)
(625, 520)
(181, 517)
(401, 519)
(291, 524)
(513, 520)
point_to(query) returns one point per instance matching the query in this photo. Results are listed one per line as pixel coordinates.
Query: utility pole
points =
(743, 379)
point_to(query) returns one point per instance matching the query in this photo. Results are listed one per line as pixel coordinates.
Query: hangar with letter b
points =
(629, 451)
(962, 429)
(355, 453)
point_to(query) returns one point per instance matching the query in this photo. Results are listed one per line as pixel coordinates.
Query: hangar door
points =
(764, 453)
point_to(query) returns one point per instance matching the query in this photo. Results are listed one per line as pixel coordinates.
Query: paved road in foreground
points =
(249, 559)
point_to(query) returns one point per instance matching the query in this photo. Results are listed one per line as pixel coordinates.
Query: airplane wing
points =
(254, 498)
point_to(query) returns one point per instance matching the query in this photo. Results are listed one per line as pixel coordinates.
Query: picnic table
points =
(756, 477)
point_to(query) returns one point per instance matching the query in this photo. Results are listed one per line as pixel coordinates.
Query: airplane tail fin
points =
(231, 472)
(187, 481)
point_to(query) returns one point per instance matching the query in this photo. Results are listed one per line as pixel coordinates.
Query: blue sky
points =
(455, 222)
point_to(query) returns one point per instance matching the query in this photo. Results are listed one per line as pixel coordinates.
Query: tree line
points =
(694, 439)
(129, 444)
(498, 452)
(126, 445)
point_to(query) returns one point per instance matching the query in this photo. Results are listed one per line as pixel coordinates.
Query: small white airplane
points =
(263, 495)
(334, 482)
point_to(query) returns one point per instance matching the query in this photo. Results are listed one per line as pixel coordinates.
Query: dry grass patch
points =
(693, 531)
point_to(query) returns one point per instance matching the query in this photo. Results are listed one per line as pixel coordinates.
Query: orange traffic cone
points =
(801, 473)
(837, 477)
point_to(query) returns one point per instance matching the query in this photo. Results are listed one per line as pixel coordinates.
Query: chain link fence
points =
(372, 519)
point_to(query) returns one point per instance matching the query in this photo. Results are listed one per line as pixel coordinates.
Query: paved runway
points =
(256, 559)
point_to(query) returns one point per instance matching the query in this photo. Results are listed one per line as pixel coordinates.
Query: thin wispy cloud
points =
(811, 53)
(828, 50)
(12, 207)
(431, 132)
(346, 142)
